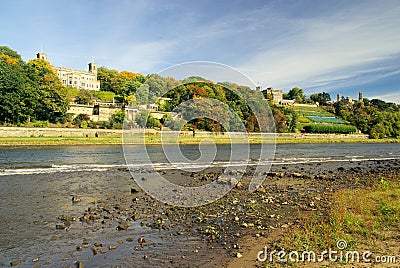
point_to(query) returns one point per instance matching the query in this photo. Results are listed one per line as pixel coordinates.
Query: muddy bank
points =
(103, 219)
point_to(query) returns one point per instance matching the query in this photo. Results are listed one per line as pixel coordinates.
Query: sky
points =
(333, 46)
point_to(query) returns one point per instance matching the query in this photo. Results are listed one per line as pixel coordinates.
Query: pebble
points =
(111, 247)
(75, 199)
(142, 240)
(123, 225)
(16, 262)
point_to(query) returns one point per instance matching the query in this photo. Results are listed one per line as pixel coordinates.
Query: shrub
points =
(329, 128)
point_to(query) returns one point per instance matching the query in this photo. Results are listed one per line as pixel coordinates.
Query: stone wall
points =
(66, 132)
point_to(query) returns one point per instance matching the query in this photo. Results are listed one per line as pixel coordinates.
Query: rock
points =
(297, 175)
(239, 255)
(95, 250)
(129, 239)
(134, 191)
(260, 189)
(239, 185)
(67, 218)
(123, 225)
(75, 199)
(79, 248)
(236, 218)
(142, 240)
(78, 264)
(111, 247)
(16, 262)
(35, 260)
(60, 226)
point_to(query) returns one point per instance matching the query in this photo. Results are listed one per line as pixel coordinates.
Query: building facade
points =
(76, 78)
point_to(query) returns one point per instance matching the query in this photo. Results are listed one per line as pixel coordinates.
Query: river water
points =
(36, 185)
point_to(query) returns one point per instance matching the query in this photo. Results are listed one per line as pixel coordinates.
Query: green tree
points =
(85, 97)
(322, 98)
(118, 116)
(297, 94)
(141, 118)
(29, 91)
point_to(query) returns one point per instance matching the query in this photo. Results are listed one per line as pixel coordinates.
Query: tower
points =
(93, 68)
(338, 98)
(42, 56)
(360, 96)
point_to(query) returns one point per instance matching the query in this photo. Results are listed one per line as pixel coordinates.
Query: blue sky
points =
(334, 46)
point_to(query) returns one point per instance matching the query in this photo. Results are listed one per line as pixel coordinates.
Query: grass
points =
(311, 111)
(156, 139)
(368, 219)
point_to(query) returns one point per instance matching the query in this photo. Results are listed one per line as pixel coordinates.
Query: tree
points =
(84, 97)
(322, 98)
(29, 91)
(118, 117)
(280, 120)
(297, 94)
(141, 118)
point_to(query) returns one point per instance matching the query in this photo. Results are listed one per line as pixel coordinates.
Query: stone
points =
(123, 225)
(260, 189)
(239, 255)
(111, 247)
(79, 264)
(75, 199)
(60, 226)
(297, 175)
(142, 240)
(16, 262)
(239, 185)
(134, 191)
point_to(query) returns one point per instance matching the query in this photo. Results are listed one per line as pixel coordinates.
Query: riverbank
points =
(156, 139)
(18, 136)
(57, 213)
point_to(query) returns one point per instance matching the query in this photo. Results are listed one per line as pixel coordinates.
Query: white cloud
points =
(322, 47)
(392, 97)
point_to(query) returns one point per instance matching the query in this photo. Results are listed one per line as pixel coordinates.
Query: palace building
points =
(76, 78)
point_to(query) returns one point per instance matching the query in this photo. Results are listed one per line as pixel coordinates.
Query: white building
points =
(76, 78)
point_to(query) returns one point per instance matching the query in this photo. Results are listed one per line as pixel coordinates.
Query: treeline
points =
(29, 91)
(135, 89)
(375, 117)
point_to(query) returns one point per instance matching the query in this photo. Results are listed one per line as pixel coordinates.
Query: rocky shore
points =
(217, 234)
